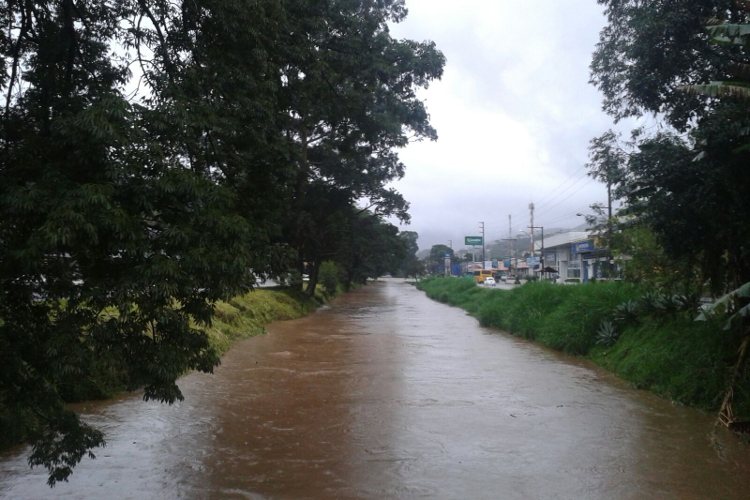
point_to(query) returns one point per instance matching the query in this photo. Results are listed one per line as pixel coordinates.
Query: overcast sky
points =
(514, 113)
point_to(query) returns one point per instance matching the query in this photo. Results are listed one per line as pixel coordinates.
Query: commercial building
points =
(576, 255)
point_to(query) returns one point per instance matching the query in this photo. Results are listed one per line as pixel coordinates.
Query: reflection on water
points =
(386, 394)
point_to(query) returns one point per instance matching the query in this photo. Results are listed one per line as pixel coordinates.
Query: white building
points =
(574, 254)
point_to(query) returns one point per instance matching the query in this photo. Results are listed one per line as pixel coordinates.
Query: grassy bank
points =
(239, 318)
(664, 350)
(247, 316)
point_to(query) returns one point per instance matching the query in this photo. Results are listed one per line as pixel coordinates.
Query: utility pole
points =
(541, 259)
(482, 228)
(510, 241)
(531, 208)
(512, 248)
(609, 230)
(448, 262)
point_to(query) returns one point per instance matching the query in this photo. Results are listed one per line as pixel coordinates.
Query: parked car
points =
(509, 278)
(489, 281)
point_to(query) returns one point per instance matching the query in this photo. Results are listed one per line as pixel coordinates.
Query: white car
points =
(489, 281)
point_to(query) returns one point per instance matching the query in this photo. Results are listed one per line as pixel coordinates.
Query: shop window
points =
(574, 269)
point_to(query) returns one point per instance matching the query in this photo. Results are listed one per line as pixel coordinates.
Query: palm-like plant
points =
(736, 307)
(728, 34)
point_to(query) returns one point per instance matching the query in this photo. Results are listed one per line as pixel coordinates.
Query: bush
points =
(328, 276)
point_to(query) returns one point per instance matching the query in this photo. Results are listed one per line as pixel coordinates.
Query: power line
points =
(541, 200)
(568, 197)
(568, 216)
(560, 185)
(563, 191)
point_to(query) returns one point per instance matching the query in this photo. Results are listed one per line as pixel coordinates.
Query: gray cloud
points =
(514, 113)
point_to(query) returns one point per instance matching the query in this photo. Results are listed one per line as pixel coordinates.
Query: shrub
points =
(607, 334)
(627, 313)
(328, 276)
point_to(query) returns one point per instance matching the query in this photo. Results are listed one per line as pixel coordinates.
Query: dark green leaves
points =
(126, 213)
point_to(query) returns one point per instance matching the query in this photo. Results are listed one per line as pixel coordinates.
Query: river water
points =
(387, 394)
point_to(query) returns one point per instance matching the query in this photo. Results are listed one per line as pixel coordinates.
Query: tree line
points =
(158, 156)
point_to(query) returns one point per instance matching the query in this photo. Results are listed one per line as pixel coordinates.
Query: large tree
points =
(688, 187)
(648, 50)
(125, 214)
(369, 247)
(120, 225)
(349, 96)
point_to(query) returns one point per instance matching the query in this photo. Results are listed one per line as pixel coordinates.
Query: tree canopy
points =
(686, 182)
(155, 156)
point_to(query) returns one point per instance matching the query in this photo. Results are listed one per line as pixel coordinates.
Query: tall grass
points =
(672, 355)
(681, 359)
(246, 316)
(462, 292)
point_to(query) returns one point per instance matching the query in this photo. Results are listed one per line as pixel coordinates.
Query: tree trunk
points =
(298, 202)
(726, 415)
(313, 283)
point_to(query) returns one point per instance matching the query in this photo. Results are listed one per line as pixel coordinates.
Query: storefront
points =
(591, 259)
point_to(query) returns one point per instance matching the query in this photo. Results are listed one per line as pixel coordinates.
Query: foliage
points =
(607, 334)
(239, 318)
(362, 246)
(436, 262)
(647, 49)
(723, 33)
(563, 317)
(329, 276)
(627, 314)
(694, 203)
(125, 219)
(735, 306)
(410, 266)
(247, 315)
(647, 262)
(438, 253)
(349, 101)
(687, 189)
(459, 292)
(678, 358)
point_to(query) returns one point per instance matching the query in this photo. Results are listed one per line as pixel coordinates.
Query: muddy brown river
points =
(386, 394)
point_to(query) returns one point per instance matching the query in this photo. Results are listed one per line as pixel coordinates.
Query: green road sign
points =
(472, 240)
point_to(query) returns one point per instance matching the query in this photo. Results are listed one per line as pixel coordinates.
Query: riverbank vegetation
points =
(650, 340)
(685, 215)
